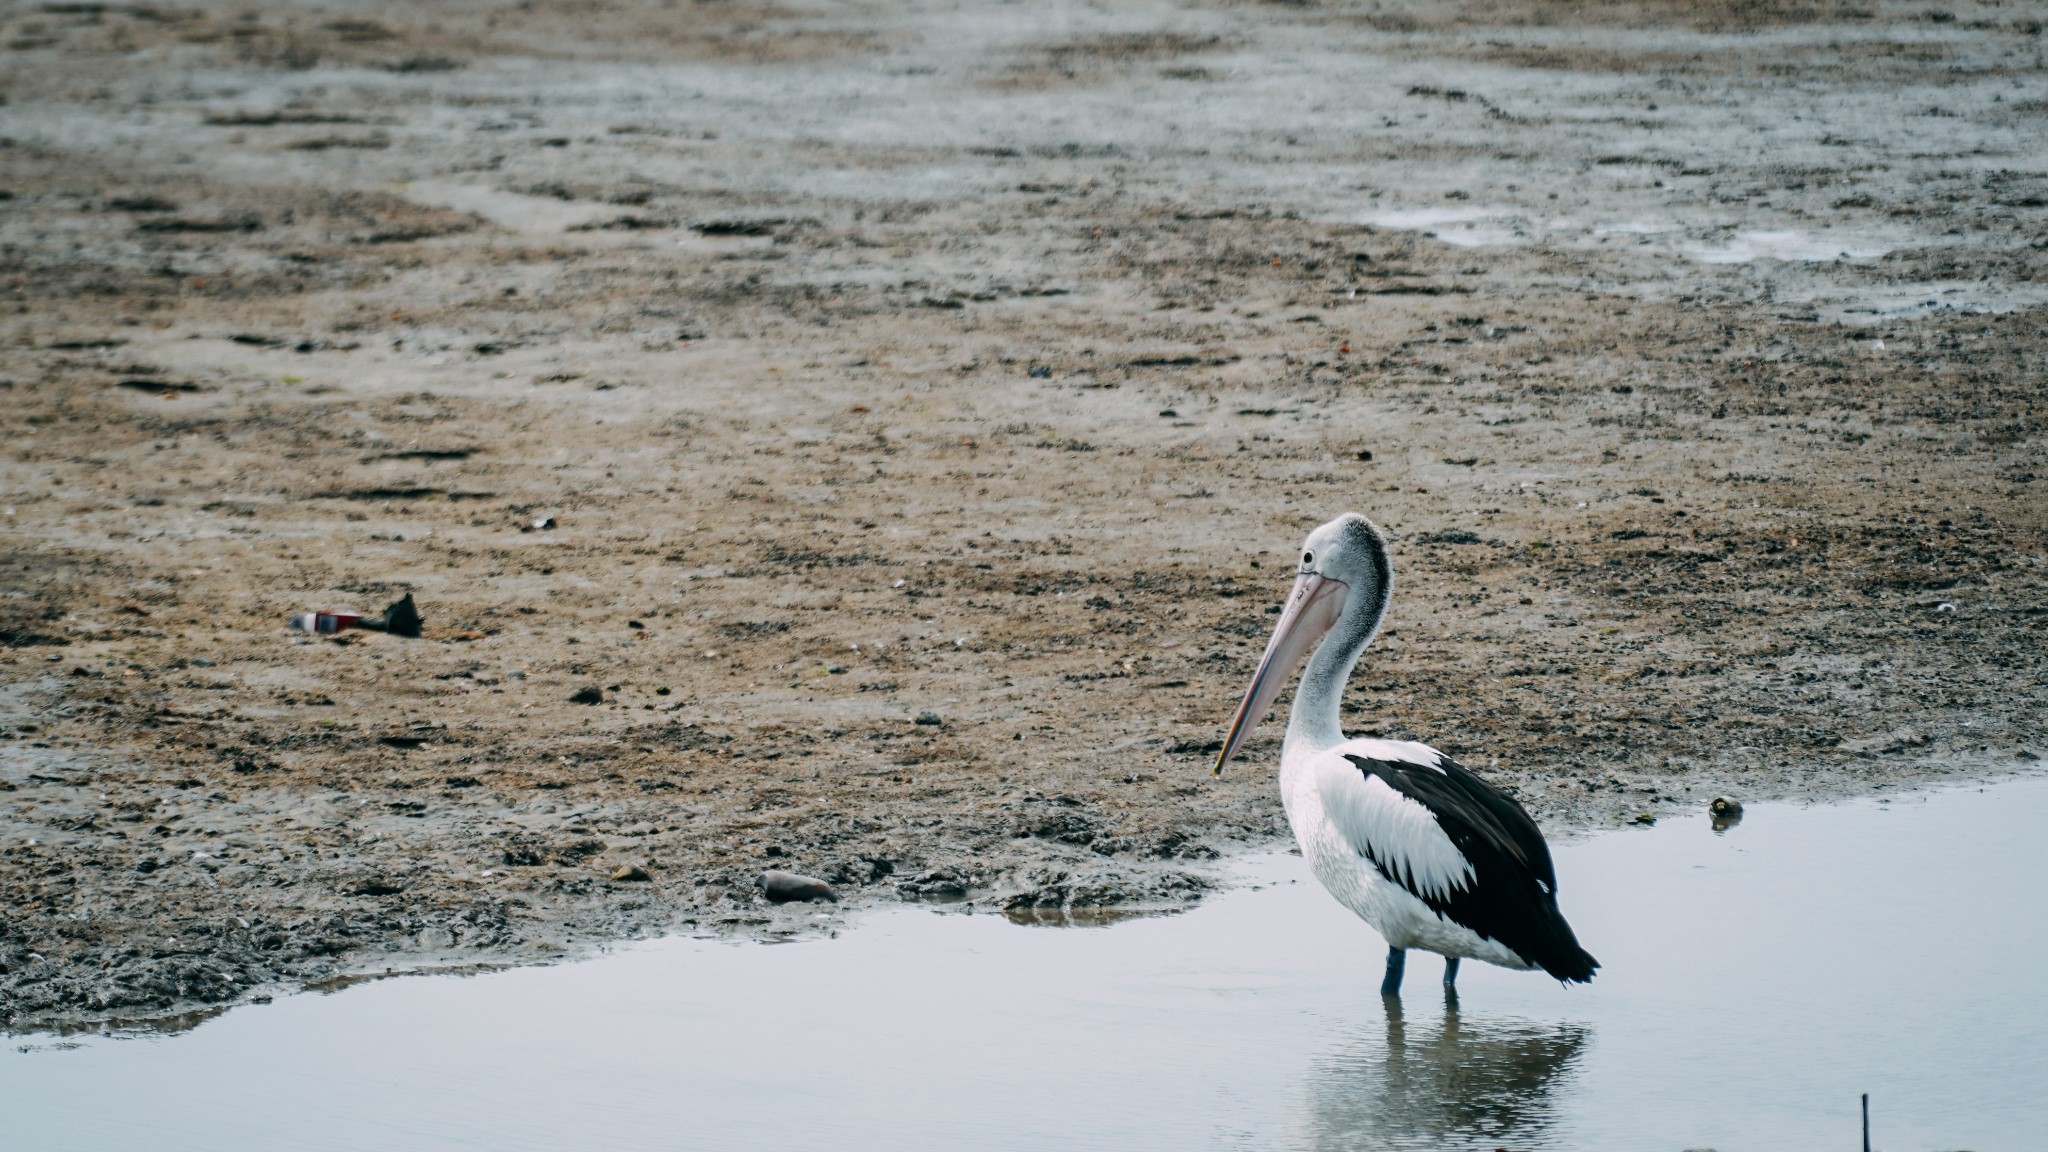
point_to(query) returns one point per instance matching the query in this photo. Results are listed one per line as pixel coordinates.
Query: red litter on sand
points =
(401, 619)
(325, 622)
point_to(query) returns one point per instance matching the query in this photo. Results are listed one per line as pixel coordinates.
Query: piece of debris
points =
(929, 718)
(400, 619)
(587, 696)
(168, 389)
(1724, 812)
(326, 622)
(765, 226)
(406, 743)
(540, 524)
(783, 887)
(1644, 818)
(630, 872)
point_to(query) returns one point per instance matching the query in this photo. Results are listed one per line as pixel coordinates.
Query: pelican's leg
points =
(1397, 962)
(1450, 971)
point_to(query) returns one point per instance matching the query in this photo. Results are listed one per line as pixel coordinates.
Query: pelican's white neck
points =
(1315, 721)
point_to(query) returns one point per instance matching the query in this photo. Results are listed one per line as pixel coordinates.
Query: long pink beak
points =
(1312, 610)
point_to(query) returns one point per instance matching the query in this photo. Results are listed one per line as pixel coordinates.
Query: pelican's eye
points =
(1308, 559)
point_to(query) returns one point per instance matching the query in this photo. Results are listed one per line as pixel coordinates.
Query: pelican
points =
(1430, 855)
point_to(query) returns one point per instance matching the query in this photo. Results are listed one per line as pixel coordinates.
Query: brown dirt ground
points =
(1028, 462)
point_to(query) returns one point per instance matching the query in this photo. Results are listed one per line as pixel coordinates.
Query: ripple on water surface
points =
(1754, 983)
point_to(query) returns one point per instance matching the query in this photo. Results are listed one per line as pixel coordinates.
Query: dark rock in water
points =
(1725, 812)
(784, 887)
(587, 696)
(929, 718)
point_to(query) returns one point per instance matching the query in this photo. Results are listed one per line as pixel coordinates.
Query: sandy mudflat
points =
(983, 361)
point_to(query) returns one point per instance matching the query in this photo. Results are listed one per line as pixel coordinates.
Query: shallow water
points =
(1755, 982)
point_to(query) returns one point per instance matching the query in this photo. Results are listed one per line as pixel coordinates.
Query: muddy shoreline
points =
(945, 363)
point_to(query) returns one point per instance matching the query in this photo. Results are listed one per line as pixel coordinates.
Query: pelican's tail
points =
(1562, 957)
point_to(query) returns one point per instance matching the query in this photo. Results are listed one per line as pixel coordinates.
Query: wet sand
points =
(978, 364)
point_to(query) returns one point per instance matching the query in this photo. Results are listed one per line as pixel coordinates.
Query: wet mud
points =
(923, 404)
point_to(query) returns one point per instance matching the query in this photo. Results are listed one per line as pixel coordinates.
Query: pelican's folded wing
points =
(1461, 846)
(1376, 812)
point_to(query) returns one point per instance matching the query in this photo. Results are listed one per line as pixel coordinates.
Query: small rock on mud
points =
(785, 887)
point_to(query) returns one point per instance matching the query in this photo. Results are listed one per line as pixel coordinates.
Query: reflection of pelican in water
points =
(1480, 1083)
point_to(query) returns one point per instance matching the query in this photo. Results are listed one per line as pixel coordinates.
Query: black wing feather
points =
(1513, 894)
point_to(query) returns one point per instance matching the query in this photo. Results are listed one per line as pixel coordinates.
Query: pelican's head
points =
(1343, 577)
